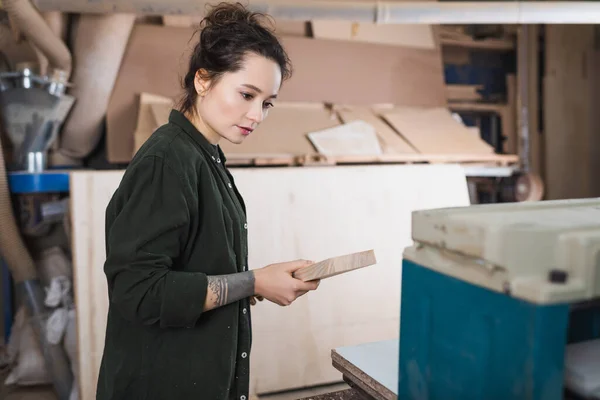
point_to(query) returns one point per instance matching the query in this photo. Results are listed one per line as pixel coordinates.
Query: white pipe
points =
(388, 12)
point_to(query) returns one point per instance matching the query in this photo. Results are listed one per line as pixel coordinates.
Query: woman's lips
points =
(244, 130)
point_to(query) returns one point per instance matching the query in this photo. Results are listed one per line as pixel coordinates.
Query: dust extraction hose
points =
(12, 247)
(36, 30)
(98, 48)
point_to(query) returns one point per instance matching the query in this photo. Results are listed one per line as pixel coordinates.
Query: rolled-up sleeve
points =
(143, 244)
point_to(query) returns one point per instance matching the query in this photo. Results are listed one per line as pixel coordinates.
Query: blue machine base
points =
(461, 341)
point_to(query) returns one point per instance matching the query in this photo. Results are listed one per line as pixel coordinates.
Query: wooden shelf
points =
(483, 44)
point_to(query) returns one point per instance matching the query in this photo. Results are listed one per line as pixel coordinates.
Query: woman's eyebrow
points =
(248, 85)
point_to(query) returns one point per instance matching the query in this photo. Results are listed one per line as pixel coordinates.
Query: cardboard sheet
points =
(324, 71)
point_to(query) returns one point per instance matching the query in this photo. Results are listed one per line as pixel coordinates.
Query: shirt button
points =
(244, 311)
(218, 160)
(242, 397)
(245, 226)
(244, 355)
(229, 184)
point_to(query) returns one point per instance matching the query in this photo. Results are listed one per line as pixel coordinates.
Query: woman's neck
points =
(205, 130)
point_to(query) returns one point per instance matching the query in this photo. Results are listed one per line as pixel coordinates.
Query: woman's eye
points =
(268, 105)
(247, 96)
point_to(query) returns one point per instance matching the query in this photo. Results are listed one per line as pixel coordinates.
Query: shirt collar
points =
(178, 118)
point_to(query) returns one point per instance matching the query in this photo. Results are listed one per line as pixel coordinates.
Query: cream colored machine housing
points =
(543, 252)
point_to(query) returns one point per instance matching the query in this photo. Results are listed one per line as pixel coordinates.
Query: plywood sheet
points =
(284, 131)
(342, 72)
(156, 60)
(406, 35)
(354, 207)
(435, 131)
(390, 140)
(90, 194)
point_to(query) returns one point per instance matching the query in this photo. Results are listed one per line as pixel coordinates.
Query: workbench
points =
(370, 369)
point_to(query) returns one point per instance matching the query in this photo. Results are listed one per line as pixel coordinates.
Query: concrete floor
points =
(46, 393)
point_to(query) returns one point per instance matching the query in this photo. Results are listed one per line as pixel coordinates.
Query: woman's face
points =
(239, 101)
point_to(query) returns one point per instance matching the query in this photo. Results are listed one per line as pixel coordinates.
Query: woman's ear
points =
(201, 82)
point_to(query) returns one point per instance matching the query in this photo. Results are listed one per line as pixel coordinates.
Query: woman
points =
(176, 233)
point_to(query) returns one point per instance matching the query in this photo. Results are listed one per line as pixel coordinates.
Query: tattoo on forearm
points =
(229, 288)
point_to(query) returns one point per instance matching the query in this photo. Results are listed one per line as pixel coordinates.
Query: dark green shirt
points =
(176, 218)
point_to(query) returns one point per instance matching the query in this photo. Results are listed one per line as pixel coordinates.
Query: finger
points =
(259, 298)
(310, 285)
(295, 265)
(252, 300)
(302, 293)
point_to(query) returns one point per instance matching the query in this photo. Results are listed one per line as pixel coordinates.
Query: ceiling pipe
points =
(385, 12)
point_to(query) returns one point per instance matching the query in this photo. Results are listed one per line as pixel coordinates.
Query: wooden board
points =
(156, 60)
(352, 206)
(336, 265)
(435, 131)
(568, 111)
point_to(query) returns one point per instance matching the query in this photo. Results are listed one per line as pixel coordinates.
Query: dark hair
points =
(227, 33)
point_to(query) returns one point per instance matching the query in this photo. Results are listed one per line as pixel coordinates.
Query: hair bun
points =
(225, 14)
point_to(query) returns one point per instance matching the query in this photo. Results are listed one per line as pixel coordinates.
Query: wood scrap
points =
(336, 265)
(459, 92)
(356, 137)
(390, 140)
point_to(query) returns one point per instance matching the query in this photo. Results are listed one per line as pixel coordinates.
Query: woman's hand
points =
(276, 283)
(254, 298)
